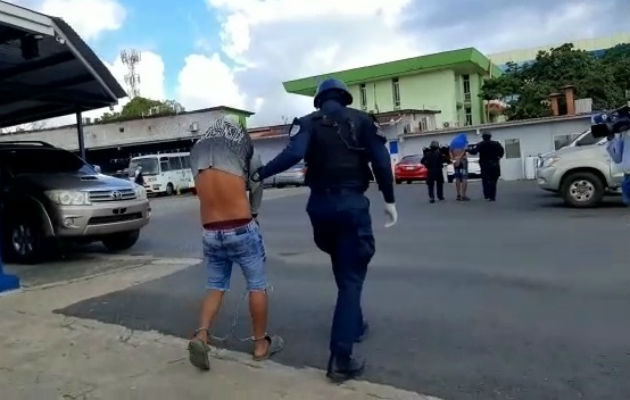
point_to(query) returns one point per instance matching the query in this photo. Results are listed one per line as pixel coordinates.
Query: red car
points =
(410, 169)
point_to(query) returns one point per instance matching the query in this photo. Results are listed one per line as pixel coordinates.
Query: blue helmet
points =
(333, 84)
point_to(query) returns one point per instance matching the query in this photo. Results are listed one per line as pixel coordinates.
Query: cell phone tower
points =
(131, 58)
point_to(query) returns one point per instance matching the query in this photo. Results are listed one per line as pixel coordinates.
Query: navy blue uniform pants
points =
(489, 178)
(342, 228)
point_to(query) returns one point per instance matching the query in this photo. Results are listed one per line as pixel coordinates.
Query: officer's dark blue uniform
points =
(337, 143)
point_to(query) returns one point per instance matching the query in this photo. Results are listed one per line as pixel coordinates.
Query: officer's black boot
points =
(342, 368)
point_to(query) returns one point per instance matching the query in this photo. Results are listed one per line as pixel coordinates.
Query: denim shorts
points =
(461, 171)
(243, 246)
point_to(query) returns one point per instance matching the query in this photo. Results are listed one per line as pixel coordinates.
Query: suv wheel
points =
(582, 189)
(24, 241)
(121, 241)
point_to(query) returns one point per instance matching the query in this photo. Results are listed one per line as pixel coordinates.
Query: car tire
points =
(398, 181)
(121, 241)
(409, 182)
(24, 240)
(582, 190)
(170, 189)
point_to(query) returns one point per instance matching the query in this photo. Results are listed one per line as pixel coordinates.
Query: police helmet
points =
(333, 84)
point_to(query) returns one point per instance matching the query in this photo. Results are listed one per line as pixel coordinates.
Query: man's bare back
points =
(222, 196)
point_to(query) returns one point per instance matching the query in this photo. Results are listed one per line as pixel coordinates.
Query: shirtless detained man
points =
(221, 162)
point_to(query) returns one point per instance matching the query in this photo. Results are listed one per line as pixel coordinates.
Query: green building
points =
(447, 82)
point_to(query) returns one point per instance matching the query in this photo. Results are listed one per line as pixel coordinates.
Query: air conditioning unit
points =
(194, 127)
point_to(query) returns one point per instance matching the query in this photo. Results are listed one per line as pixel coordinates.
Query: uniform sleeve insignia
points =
(295, 128)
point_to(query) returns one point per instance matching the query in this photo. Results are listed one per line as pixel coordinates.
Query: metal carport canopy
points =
(47, 70)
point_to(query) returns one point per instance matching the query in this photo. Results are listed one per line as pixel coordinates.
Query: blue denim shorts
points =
(461, 171)
(243, 246)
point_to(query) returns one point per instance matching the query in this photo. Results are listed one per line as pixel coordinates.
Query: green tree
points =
(141, 107)
(526, 87)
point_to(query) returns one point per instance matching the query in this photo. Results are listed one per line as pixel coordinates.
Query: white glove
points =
(392, 214)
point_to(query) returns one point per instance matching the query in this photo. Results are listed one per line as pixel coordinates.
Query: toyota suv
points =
(582, 172)
(49, 195)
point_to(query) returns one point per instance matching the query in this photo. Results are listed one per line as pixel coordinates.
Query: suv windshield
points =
(149, 166)
(586, 139)
(48, 161)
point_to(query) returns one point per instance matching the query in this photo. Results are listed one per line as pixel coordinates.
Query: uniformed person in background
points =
(338, 143)
(490, 153)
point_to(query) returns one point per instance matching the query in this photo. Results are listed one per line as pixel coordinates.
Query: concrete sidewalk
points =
(44, 355)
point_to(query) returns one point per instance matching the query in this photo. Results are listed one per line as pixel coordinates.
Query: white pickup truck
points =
(581, 172)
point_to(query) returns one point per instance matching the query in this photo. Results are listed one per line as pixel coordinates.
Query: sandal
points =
(276, 344)
(198, 353)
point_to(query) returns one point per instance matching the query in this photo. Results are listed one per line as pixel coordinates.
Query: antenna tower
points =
(131, 58)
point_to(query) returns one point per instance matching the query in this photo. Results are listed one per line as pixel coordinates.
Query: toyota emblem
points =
(116, 195)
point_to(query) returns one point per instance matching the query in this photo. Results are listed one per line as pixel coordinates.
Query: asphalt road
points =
(521, 299)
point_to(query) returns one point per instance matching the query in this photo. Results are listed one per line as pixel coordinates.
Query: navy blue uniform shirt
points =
(373, 143)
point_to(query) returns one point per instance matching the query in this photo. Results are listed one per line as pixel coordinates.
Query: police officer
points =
(338, 143)
(490, 153)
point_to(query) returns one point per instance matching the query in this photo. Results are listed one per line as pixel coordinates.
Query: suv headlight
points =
(141, 193)
(69, 197)
(550, 162)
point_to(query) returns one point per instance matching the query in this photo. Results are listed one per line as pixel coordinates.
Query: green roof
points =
(463, 59)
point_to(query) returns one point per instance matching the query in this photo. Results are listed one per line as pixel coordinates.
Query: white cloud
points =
(88, 17)
(272, 41)
(208, 81)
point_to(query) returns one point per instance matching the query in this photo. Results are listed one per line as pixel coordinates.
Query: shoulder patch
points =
(295, 128)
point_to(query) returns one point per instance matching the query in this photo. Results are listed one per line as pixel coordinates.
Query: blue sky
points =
(205, 53)
(169, 28)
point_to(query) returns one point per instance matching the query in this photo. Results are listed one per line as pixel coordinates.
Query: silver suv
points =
(581, 172)
(48, 194)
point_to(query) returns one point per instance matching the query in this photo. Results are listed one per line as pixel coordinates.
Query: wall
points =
(534, 139)
(430, 90)
(134, 131)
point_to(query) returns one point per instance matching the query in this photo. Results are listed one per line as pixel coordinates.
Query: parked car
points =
(294, 176)
(474, 170)
(48, 194)
(582, 172)
(409, 169)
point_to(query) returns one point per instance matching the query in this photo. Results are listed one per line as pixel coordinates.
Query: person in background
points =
(433, 159)
(138, 177)
(222, 162)
(460, 166)
(619, 150)
(338, 144)
(490, 153)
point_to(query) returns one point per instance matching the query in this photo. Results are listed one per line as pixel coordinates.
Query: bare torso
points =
(222, 196)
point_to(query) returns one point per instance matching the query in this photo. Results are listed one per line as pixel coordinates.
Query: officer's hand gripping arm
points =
(291, 155)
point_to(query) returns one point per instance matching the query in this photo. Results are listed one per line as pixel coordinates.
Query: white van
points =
(164, 173)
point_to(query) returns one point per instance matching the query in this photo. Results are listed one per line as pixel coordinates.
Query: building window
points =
(424, 124)
(468, 111)
(466, 81)
(363, 96)
(512, 148)
(396, 92)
